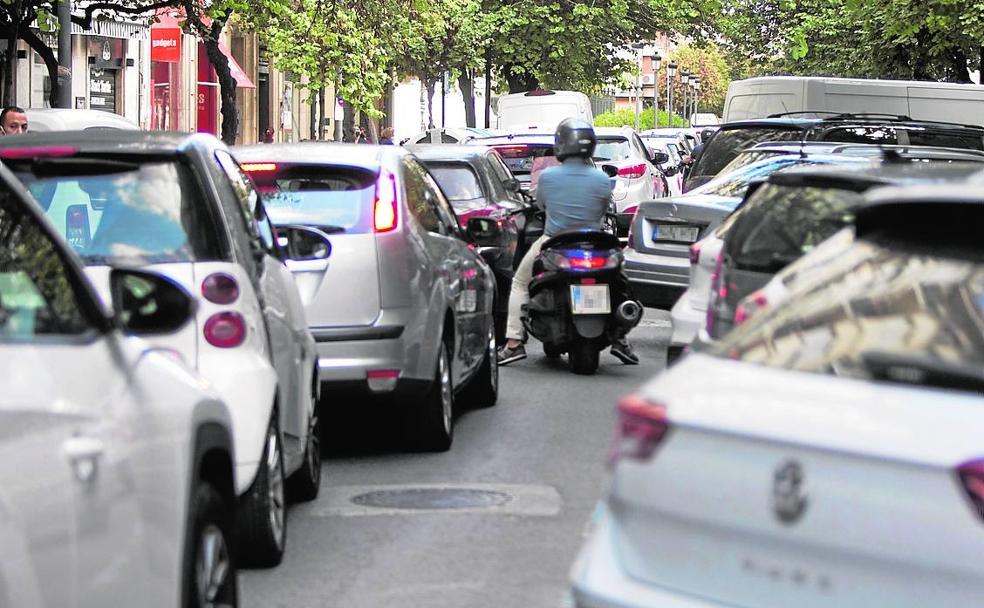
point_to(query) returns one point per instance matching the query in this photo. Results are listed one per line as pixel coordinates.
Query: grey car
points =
(405, 310)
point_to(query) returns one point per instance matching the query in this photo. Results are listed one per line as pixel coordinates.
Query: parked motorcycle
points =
(580, 302)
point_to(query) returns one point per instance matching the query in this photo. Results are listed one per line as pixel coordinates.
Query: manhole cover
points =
(431, 498)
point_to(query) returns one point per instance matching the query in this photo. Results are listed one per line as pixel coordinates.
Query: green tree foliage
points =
(625, 117)
(708, 64)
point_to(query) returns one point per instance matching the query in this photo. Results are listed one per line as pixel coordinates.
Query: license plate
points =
(590, 300)
(672, 232)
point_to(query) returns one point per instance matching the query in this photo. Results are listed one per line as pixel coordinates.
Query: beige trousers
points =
(520, 293)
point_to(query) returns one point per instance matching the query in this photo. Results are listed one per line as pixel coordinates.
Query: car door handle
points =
(83, 454)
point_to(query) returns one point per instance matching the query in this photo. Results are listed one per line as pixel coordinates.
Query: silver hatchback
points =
(405, 310)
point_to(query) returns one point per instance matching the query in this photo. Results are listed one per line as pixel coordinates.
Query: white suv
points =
(117, 484)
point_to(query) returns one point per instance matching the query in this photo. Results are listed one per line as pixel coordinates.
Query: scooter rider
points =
(575, 196)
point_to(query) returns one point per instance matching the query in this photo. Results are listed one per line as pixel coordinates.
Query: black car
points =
(794, 211)
(732, 138)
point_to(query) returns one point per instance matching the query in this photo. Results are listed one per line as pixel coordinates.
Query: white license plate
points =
(590, 300)
(671, 232)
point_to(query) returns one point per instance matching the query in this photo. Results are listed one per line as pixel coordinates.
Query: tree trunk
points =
(348, 122)
(958, 64)
(227, 87)
(423, 106)
(520, 83)
(430, 85)
(50, 62)
(466, 82)
(323, 109)
(313, 119)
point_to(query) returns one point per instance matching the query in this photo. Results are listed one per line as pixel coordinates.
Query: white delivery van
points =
(540, 110)
(768, 95)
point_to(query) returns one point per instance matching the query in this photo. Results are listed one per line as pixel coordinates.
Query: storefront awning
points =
(238, 73)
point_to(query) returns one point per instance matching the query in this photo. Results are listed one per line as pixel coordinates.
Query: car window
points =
(444, 209)
(726, 144)
(881, 307)
(778, 224)
(967, 140)
(862, 135)
(335, 199)
(520, 158)
(448, 139)
(458, 181)
(252, 212)
(418, 198)
(748, 157)
(735, 183)
(125, 212)
(37, 297)
(612, 148)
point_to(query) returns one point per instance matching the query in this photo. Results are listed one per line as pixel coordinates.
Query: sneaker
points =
(511, 355)
(622, 351)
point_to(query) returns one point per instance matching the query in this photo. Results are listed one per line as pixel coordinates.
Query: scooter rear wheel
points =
(552, 351)
(583, 358)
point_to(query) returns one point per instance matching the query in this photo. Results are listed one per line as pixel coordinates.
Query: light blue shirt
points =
(575, 196)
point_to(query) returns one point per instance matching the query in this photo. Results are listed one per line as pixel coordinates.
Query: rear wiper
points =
(64, 167)
(330, 229)
(923, 370)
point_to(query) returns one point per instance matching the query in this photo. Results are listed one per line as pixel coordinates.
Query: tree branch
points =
(86, 20)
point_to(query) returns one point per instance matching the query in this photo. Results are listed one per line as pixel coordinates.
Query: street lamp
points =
(696, 84)
(656, 62)
(638, 46)
(670, 73)
(685, 78)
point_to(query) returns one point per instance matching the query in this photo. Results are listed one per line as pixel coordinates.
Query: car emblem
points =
(789, 497)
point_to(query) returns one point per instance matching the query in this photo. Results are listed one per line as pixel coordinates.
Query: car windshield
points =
(122, 212)
(748, 157)
(735, 183)
(727, 143)
(335, 199)
(459, 183)
(612, 148)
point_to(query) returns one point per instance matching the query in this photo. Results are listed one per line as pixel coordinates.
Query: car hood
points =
(677, 204)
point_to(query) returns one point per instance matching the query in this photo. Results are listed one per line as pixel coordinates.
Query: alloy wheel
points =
(493, 361)
(314, 445)
(446, 398)
(212, 567)
(275, 487)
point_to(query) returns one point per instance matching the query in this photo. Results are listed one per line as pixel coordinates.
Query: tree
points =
(708, 64)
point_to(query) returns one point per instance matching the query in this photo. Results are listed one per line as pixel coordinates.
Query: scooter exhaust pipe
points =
(628, 313)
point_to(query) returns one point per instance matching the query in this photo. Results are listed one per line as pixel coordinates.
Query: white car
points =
(62, 119)
(117, 484)
(831, 453)
(639, 178)
(689, 314)
(178, 204)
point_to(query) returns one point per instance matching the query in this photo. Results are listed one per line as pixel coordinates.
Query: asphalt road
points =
(522, 480)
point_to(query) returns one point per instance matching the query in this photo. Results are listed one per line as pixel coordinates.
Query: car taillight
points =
(38, 152)
(712, 298)
(513, 151)
(225, 330)
(384, 213)
(749, 306)
(258, 167)
(971, 476)
(635, 171)
(220, 288)
(641, 427)
(695, 253)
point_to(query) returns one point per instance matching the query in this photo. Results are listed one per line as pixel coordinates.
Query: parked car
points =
(704, 119)
(639, 177)
(816, 432)
(479, 185)
(447, 135)
(540, 110)
(178, 204)
(657, 255)
(683, 138)
(673, 167)
(117, 483)
(414, 322)
(789, 217)
(734, 137)
(59, 119)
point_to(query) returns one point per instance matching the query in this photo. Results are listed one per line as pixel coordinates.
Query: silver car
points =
(639, 178)
(405, 310)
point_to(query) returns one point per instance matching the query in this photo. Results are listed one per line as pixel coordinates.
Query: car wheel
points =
(262, 511)
(583, 358)
(210, 571)
(436, 422)
(483, 390)
(305, 483)
(552, 351)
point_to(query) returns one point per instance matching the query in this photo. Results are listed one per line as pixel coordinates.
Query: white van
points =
(541, 110)
(942, 101)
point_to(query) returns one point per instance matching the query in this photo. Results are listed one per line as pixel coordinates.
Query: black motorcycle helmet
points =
(574, 137)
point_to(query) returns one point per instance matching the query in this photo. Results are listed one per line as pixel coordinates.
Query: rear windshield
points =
(612, 148)
(123, 212)
(335, 199)
(522, 158)
(883, 313)
(736, 183)
(967, 140)
(727, 143)
(750, 156)
(458, 181)
(778, 224)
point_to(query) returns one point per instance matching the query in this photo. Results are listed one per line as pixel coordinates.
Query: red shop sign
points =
(165, 44)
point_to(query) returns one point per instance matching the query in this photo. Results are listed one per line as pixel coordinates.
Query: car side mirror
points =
(304, 243)
(610, 170)
(660, 158)
(483, 228)
(146, 303)
(511, 184)
(671, 171)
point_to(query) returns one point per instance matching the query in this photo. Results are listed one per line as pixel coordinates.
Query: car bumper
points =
(687, 321)
(657, 280)
(598, 580)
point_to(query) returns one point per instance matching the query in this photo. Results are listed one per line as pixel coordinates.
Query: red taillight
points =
(513, 151)
(258, 167)
(384, 214)
(712, 300)
(220, 288)
(695, 253)
(225, 330)
(641, 427)
(752, 304)
(588, 263)
(635, 171)
(38, 152)
(971, 476)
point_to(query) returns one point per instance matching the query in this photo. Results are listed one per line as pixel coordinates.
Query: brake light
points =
(38, 152)
(513, 151)
(220, 288)
(695, 253)
(633, 172)
(588, 263)
(712, 300)
(225, 330)
(971, 475)
(258, 167)
(77, 231)
(384, 213)
(641, 427)
(749, 306)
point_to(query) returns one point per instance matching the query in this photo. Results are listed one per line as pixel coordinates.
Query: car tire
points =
(583, 358)
(435, 425)
(305, 483)
(483, 389)
(210, 571)
(673, 353)
(552, 351)
(263, 510)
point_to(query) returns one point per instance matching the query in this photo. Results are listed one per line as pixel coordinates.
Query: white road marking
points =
(525, 500)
